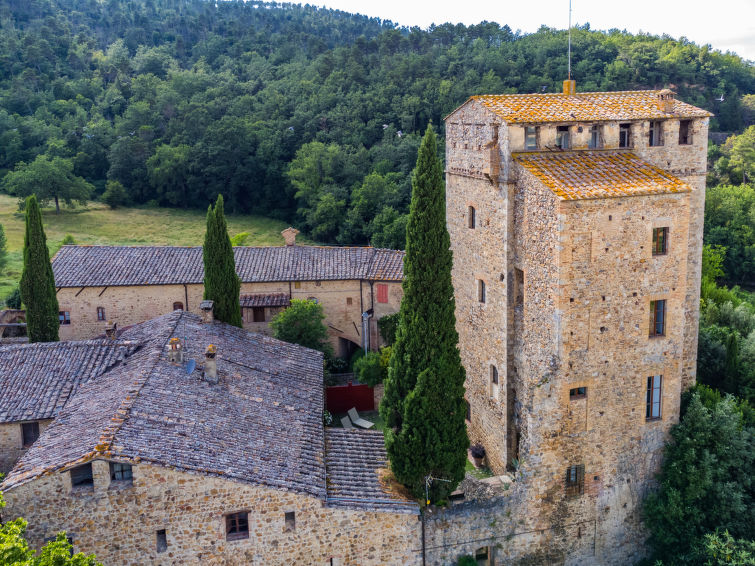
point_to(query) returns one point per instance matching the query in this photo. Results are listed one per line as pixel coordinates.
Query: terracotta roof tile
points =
(575, 175)
(585, 107)
(95, 266)
(264, 300)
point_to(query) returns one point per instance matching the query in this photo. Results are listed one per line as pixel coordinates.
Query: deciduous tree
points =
(48, 179)
(302, 323)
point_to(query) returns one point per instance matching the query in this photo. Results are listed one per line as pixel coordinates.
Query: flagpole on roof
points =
(569, 39)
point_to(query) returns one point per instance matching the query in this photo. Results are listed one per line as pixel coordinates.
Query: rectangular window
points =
(494, 387)
(518, 287)
(162, 540)
(81, 476)
(575, 480)
(349, 301)
(382, 293)
(658, 318)
(530, 137)
(471, 218)
(577, 393)
(120, 472)
(258, 314)
(100, 313)
(653, 400)
(297, 284)
(481, 291)
(660, 240)
(237, 525)
(64, 317)
(290, 518)
(656, 134)
(30, 433)
(595, 137)
(625, 135)
(685, 133)
(563, 140)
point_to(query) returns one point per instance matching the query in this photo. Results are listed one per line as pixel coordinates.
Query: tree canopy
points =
(302, 323)
(49, 178)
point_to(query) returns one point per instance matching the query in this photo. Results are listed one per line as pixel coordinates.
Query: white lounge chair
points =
(359, 421)
(346, 423)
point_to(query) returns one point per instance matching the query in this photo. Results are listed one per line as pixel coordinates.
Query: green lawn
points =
(98, 224)
(479, 473)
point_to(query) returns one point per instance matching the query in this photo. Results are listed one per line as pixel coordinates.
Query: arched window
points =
(178, 306)
(472, 217)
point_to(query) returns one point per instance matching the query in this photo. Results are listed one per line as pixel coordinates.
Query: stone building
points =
(189, 441)
(576, 225)
(127, 285)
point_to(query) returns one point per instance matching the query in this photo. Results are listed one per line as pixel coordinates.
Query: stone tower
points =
(576, 224)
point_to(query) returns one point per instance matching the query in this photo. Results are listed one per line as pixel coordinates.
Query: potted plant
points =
(478, 454)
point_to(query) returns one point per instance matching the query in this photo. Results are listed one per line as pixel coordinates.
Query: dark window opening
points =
(64, 317)
(493, 375)
(318, 283)
(162, 540)
(577, 393)
(237, 525)
(653, 399)
(658, 318)
(178, 306)
(471, 218)
(660, 241)
(563, 140)
(481, 291)
(485, 556)
(81, 476)
(625, 135)
(30, 433)
(575, 480)
(685, 135)
(518, 287)
(348, 301)
(468, 416)
(258, 314)
(120, 472)
(596, 141)
(100, 313)
(290, 518)
(530, 137)
(655, 136)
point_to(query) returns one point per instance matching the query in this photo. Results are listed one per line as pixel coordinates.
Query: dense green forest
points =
(304, 114)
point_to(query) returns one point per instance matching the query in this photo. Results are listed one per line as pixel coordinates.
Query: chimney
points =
(111, 330)
(570, 86)
(210, 372)
(289, 234)
(208, 311)
(175, 351)
(666, 100)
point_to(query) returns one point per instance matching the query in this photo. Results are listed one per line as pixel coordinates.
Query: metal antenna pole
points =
(569, 39)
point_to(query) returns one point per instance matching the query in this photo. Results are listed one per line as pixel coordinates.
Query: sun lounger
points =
(359, 421)
(346, 423)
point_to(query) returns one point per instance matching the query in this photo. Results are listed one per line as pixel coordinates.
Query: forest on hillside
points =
(299, 113)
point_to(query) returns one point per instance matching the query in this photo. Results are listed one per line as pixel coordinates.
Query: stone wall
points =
(119, 522)
(12, 444)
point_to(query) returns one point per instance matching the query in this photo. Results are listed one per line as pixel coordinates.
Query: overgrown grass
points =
(479, 473)
(98, 224)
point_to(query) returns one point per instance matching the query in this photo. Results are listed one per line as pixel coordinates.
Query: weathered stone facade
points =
(12, 443)
(568, 282)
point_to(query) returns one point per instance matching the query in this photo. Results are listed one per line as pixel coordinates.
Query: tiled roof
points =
(585, 107)
(95, 266)
(262, 300)
(356, 464)
(575, 175)
(36, 380)
(262, 423)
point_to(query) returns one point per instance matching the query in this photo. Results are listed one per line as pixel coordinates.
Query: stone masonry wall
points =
(12, 444)
(119, 522)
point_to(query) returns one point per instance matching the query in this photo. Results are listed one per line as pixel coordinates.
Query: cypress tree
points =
(37, 280)
(221, 283)
(424, 391)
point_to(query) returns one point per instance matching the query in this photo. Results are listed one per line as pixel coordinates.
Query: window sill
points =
(237, 536)
(121, 484)
(82, 489)
(653, 419)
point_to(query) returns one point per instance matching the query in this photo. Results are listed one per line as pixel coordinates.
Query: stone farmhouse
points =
(157, 448)
(576, 223)
(128, 285)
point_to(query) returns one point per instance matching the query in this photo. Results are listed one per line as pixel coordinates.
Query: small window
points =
(81, 476)
(685, 132)
(290, 518)
(471, 218)
(657, 318)
(101, 313)
(518, 287)
(655, 138)
(481, 291)
(494, 387)
(485, 556)
(653, 399)
(162, 540)
(575, 480)
(563, 139)
(120, 472)
(237, 525)
(382, 293)
(178, 306)
(30, 433)
(530, 137)
(318, 283)
(64, 317)
(297, 284)
(577, 393)
(258, 314)
(468, 416)
(625, 135)
(595, 137)
(349, 301)
(660, 240)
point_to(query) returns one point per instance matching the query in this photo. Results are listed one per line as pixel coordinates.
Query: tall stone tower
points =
(576, 224)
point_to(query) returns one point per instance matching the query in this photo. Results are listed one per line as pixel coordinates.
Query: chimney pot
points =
(570, 86)
(289, 235)
(210, 365)
(208, 310)
(666, 100)
(175, 351)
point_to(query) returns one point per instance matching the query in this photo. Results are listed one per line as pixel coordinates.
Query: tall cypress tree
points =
(37, 280)
(221, 283)
(424, 391)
